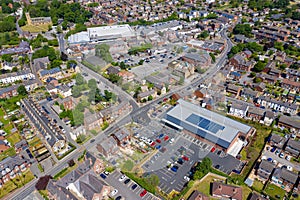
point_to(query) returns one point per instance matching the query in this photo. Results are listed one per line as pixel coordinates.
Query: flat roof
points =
(108, 31)
(205, 122)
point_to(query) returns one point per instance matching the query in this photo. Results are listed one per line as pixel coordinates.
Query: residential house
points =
(238, 109)
(51, 89)
(284, 107)
(196, 195)
(40, 63)
(260, 87)
(68, 103)
(255, 114)
(181, 68)
(93, 120)
(269, 117)
(280, 56)
(11, 167)
(277, 141)
(256, 196)
(145, 95)
(265, 170)
(122, 137)
(30, 85)
(54, 72)
(16, 76)
(19, 146)
(126, 76)
(274, 72)
(9, 92)
(3, 144)
(293, 147)
(221, 190)
(234, 89)
(203, 60)
(23, 48)
(249, 93)
(57, 192)
(64, 91)
(290, 85)
(108, 147)
(113, 70)
(240, 62)
(289, 122)
(284, 178)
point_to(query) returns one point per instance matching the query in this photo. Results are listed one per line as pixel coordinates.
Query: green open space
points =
(17, 182)
(274, 192)
(257, 186)
(64, 172)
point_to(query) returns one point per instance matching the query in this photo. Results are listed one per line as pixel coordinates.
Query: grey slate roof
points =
(290, 121)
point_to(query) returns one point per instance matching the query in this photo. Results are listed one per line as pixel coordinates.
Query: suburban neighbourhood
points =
(178, 99)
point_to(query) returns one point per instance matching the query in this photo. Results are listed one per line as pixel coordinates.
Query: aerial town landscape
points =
(153, 100)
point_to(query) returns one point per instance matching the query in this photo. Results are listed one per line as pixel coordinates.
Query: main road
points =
(136, 113)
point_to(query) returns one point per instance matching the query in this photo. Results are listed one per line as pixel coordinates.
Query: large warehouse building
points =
(222, 131)
(102, 33)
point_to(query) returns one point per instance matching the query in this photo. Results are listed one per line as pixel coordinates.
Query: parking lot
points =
(125, 190)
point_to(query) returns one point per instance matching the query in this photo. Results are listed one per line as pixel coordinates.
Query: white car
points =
(186, 178)
(106, 173)
(281, 155)
(122, 178)
(114, 192)
(289, 168)
(171, 141)
(288, 157)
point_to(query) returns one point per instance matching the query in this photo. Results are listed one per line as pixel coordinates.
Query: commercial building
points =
(224, 132)
(102, 33)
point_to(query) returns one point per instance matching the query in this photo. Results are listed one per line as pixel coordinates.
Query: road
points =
(61, 42)
(137, 114)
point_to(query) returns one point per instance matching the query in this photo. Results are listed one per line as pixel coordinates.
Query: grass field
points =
(127, 166)
(15, 183)
(35, 29)
(274, 191)
(203, 186)
(64, 172)
(257, 186)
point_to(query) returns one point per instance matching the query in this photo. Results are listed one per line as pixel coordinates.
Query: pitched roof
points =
(256, 196)
(256, 111)
(290, 121)
(224, 190)
(60, 193)
(277, 139)
(196, 195)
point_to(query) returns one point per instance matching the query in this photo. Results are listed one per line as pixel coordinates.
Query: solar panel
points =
(204, 123)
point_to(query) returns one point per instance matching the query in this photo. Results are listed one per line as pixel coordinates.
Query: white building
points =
(16, 76)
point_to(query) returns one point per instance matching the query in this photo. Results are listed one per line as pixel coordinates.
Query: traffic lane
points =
(125, 190)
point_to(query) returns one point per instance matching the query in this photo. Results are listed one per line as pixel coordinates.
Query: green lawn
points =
(137, 155)
(127, 166)
(14, 138)
(258, 186)
(274, 191)
(10, 104)
(34, 141)
(9, 152)
(64, 172)
(246, 191)
(17, 182)
(203, 186)
(255, 147)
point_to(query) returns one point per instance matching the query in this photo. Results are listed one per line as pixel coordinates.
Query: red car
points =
(185, 158)
(153, 144)
(158, 140)
(213, 149)
(143, 193)
(166, 138)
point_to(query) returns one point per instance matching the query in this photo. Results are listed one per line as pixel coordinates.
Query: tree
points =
(203, 35)
(150, 98)
(252, 74)
(22, 90)
(76, 92)
(79, 79)
(71, 163)
(92, 84)
(153, 180)
(71, 63)
(244, 29)
(114, 78)
(257, 80)
(108, 95)
(7, 57)
(202, 168)
(213, 57)
(259, 66)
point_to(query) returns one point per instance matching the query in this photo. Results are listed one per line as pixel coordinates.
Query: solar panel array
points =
(204, 123)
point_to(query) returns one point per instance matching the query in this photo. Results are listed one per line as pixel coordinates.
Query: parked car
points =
(158, 140)
(281, 155)
(288, 157)
(126, 181)
(143, 193)
(134, 186)
(186, 178)
(114, 192)
(122, 178)
(103, 176)
(273, 149)
(161, 135)
(166, 138)
(174, 168)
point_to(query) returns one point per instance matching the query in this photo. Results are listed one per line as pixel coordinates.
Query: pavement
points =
(283, 161)
(125, 190)
(29, 188)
